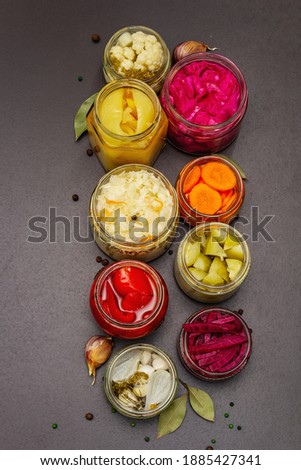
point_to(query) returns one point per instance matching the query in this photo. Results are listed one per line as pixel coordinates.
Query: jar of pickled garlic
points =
(210, 189)
(134, 213)
(215, 344)
(140, 381)
(129, 299)
(212, 262)
(127, 124)
(205, 98)
(137, 52)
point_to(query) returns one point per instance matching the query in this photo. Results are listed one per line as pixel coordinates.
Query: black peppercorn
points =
(89, 416)
(105, 262)
(95, 37)
(98, 259)
(75, 197)
(90, 152)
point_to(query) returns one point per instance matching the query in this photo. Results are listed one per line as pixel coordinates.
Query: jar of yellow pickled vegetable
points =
(127, 124)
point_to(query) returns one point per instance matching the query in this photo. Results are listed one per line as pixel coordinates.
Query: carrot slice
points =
(218, 176)
(230, 201)
(226, 195)
(191, 179)
(205, 199)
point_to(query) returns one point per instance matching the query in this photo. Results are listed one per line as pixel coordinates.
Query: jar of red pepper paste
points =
(215, 344)
(129, 299)
(205, 98)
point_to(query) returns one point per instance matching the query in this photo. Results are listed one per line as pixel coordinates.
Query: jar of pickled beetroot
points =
(137, 52)
(210, 189)
(215, 344)
(205, 98)
(129, 299)
(134, 213)
(140, 381)
(127, 124)
(212, 262)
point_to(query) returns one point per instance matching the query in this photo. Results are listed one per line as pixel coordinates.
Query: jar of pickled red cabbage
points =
(129, 299)
(127, 124)
(205, 98)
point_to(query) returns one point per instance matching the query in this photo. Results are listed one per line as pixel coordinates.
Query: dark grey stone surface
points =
(46, 319)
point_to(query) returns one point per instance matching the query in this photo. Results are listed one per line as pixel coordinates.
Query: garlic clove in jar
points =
(146, 357)
(149, 370)
(160, 364)
(97, 350)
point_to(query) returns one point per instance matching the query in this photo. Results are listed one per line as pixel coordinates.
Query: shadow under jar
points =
(140, 381)
(128, 299)
(205, 98)
(220, 191)
(215, 344)
(137, 52)
(212, 262)
(127, 124)
(134, 213)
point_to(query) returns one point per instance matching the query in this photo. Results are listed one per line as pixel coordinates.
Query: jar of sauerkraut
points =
(134, 213)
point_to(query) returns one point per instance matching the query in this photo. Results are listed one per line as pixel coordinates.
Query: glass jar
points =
(232, 199)
(204, 365)
(133, 143)
(132, 352)
(194, 283)
(154, 78)
(199, 139)
(128, 299)
(155, 234)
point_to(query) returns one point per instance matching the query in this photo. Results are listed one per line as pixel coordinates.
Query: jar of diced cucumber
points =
(212, 262)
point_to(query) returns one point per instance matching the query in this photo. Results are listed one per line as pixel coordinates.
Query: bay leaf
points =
(80, 123)
(202, 403)
(237, 166)
(171, 418)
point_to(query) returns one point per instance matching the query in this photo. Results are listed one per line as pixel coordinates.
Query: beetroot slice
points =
(220, 343)
(223, 358)
(211, 327)
(237, 360)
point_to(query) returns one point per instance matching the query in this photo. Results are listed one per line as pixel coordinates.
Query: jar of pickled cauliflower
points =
(140, 381)
(137, 52)
(127, 124)
(212, 262)
(205, 98)
(129, 299)
(134, 213)
(210, 189)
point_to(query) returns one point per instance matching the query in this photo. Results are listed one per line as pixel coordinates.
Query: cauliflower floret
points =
(127, 64)
(129, 53)
(125, 39)
(117, 52)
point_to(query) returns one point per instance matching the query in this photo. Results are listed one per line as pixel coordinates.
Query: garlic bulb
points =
(189, 47)
(97, 350)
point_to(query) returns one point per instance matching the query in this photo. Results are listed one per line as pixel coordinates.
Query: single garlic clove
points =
(146, 357)
(155, 356)
(97, 350)
(146, 369)
(189, 47)
(160, 364)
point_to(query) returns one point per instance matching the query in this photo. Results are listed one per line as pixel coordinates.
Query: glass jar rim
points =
(230, 285)
(105, 272)
(147, 30)
(195, 367)
(210, 57)
(109, 88)
(219, 158)
(110, 367)
(170, 222)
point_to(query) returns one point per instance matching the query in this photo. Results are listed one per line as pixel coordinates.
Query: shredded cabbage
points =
(135, 205)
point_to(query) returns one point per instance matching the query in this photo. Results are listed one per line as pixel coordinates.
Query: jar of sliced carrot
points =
(215, 344)
(210, 189)
(212, 262)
